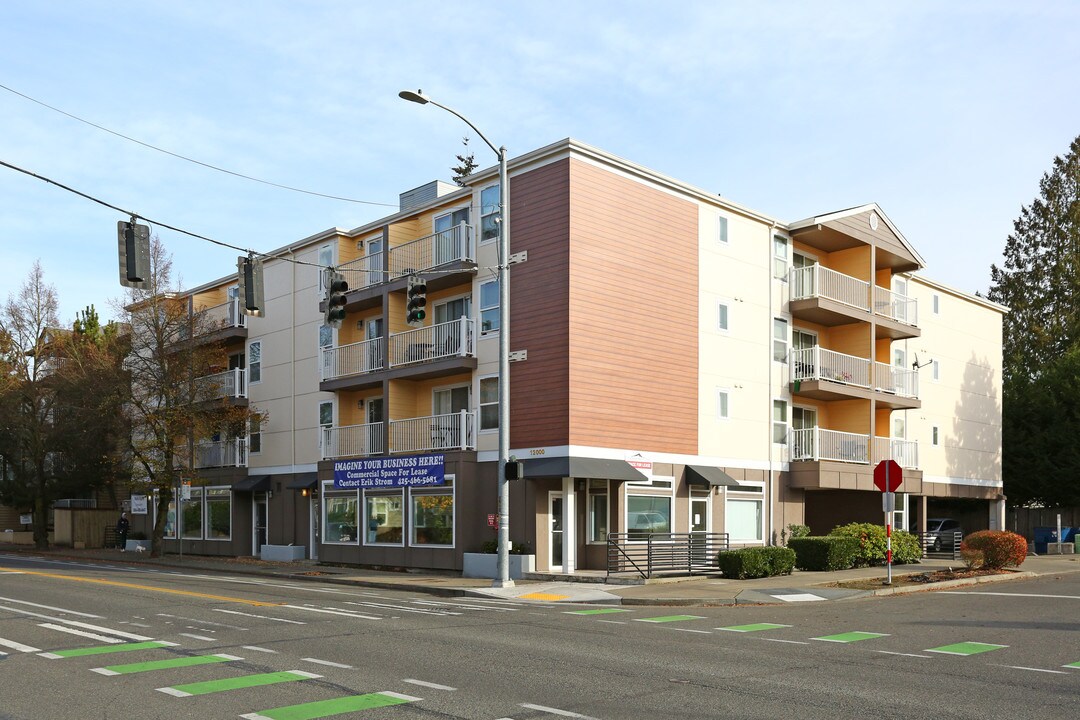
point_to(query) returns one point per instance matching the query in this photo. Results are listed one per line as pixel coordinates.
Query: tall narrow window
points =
(780, 340)
(722, 412)
(780, 256)
(936, 302)
(489, 212)
(936, 367)
(255, 436)
(722, 316)
(721, 235)
(934, 437)
(326, 420)
(598, 511)
(254, 355)
(779, 425)
(489, 306)
(489, 403)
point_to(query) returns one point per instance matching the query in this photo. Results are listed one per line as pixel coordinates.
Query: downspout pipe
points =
(770, 494)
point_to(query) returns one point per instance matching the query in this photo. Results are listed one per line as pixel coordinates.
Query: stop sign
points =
(895, 475)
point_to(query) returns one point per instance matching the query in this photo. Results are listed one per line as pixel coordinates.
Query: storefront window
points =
(647, 514)
(191, 515)
(598, 511)
(743, 519)
(218, 513)
(341, 519)
(384, 519)
(433, 519)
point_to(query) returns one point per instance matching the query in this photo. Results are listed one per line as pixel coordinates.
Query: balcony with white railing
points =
(361, 358)
(454, 245)
(900, 385)
(817, 372)
(223, 321)
(904, 452)
(352, 441)
(453, 431)
(897, 315)
(230, 384)
(816, 281)
(818, 444)
(456, 338)
(363, 272)
(221, 453)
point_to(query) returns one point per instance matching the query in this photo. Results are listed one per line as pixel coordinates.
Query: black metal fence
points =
(944, 545)
(647, 554)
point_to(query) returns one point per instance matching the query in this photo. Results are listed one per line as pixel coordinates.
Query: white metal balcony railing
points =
(817, 363)
(225, 315)
(454, 431)
(353, 359)
(221, 453)
(449, 339)
(895, 306)
(905, 452)
(228, 384)
(818, 281)
(363, 272)
(352, 441)
(431, 251)
(896, 380)
(820, 444)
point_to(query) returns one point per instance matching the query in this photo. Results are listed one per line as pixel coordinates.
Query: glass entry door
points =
(258, 535)
(555, 531)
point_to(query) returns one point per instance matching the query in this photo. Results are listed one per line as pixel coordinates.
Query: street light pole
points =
(503, 579)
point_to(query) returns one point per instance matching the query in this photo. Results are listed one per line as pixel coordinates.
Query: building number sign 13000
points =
(390, 472)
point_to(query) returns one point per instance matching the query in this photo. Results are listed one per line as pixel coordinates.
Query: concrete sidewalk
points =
(682, 591)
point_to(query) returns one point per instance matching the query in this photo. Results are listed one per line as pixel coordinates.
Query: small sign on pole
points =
(185, 490)
(493, 520)
(887, 478)
(26, 519)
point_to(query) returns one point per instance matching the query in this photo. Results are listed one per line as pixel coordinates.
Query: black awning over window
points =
(709, 476)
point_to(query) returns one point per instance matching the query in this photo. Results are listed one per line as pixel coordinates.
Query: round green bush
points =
(999, 548)
(872, 542)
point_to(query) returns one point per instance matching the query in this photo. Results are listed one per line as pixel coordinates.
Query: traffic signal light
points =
(134, 242)
(336, 287)
(416, 301)
(515, 470)
(249, 273)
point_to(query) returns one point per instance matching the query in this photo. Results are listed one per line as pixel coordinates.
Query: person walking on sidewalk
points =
(122, 526)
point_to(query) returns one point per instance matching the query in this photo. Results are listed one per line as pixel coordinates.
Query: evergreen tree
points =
(466, 165)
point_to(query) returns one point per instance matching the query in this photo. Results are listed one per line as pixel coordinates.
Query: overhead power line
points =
(192, 160)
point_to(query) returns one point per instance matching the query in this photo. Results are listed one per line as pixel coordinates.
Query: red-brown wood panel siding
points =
(539, 303)
(633, 314)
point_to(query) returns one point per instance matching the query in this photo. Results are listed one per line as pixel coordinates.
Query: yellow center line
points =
(151, 588)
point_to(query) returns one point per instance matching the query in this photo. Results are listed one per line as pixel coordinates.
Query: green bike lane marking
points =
(670, 618)
(1072, 665)
(179, 662)
(105, 649)
(237, 683)
(752, 627)
(966, 648)
(850, 637)
(599, 611)
(338, 706)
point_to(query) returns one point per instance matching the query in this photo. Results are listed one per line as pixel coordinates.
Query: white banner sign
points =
(138, 504)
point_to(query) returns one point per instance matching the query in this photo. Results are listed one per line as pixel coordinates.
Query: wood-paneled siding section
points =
(633, 314)
(858, 226)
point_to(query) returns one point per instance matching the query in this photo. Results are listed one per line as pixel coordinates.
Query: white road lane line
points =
(466, 607)
(333, 612)
(317, 661)
(196, 637)
(399, 696)
(259, 649)
(18, 647)
(1005, 594)
(261, 617)
(613, 622)
(424, 683)
(110, 631)
(50, 607)
(201, 622)
(1042, 670)
(555, 711)
(385, 606)
(889, 652)
(81, 633)
(703, 632)
(789, 642)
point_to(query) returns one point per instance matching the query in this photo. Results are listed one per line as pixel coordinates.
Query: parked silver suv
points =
(941, 534)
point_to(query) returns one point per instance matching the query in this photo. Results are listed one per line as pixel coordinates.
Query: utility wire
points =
(191, 160)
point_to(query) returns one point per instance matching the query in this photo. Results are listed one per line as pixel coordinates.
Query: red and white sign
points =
(888, 475)
(493, 520)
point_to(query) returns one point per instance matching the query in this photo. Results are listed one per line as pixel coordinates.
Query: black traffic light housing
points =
(336, 287)
(134, 243)
(416, 301)
(515, 470)
(249, 273)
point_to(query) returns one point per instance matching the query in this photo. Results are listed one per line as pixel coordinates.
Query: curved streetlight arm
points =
(421, 98)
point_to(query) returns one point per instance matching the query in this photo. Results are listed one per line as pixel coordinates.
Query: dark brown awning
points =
(579, 467)
(304, 481)
(255, 483)
(709, 476)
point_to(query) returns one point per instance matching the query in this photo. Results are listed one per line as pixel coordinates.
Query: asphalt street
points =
(80, 640)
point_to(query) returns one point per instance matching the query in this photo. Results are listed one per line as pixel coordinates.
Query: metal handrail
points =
(446, 246)
(818, 281)
(895, 306)
(692, 553)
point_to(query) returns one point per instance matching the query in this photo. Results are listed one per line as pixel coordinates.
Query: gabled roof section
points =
(867, 223)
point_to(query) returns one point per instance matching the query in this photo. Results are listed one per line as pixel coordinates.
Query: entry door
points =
(699, 525)
(447, 244)
(803, 424)
(447, 404)
(374, 249)
(555, 530)
(374, 419)
(372, 331)
(258, 524)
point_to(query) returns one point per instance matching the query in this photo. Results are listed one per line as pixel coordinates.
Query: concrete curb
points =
(946, 584)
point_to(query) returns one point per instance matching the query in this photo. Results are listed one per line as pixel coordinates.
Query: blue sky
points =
(946, 114)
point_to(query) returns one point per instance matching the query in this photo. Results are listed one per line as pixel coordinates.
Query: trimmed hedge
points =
(871, 537)
(999, 548)
(756, 562)
(824, 553)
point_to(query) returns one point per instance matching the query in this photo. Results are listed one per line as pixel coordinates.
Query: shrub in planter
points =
(999, 548)
(872, 542)
(824, 553)
(492, 547)
(756, 562)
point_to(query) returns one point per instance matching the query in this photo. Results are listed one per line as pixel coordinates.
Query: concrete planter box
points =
(283, 553)
(133, 545)
(486, 565)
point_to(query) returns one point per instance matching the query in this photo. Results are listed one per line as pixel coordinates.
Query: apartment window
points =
(780, 256)
(489, 403)
(899, 429)
(935, 438)
(779, 421)
(935, 302)
(326, 336)
(742, 519)
(255, 436)
(489, 213)
(598, 511)
(191, 516)
(326, 420)
(935, 368)
(384, 519)
(218, 513)
(780, 340)
(722, 399)
(254, 355)
(489, 306)
(340, 521)
(433, 517)
(722, 316)
(721, 236)
(326, 259)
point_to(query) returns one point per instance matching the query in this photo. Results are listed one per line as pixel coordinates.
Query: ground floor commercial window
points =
(205, 515)
(426, 516)
(384, 518)
(191, 513)
(432, 518)
(743, 519)
(598, 511)
(341, 519)
(647, 514)
(218, 513)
